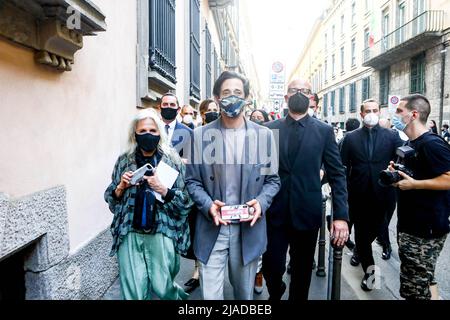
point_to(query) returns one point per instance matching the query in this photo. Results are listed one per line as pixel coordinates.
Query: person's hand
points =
(407, 183)
(214, 211)
(156, 185)
(391, 166)
(123, 184)
(339, 232)
(322, 173)
(256, 214)
(125, 180)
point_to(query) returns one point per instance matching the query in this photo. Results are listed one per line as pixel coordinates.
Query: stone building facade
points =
(375, 48)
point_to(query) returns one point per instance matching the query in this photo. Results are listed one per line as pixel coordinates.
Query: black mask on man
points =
(169, 114)
(211, 116)
(298, 103)
(147, 142)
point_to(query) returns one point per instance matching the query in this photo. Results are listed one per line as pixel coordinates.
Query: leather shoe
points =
(379, 242)
(350, 244)
(365, 285)
(387, 250)
(280, 294)
(354, 261)
(192, 284)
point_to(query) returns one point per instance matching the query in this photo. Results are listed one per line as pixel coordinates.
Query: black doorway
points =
(12, 277)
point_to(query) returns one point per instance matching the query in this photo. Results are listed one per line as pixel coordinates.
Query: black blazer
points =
(300, 198)
(362, 172)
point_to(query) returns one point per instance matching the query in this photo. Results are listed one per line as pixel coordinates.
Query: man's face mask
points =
(399, 123)
(371, 119)
(298, 103)
(232, 106)
(169, 114)
(211, 116)
(188, 119)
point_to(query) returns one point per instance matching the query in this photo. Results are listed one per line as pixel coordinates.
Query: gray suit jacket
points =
(205, 180)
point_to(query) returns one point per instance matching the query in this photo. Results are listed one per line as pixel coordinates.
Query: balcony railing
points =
(195, 48)
(428, 23)
(208, 62)
(162, 38)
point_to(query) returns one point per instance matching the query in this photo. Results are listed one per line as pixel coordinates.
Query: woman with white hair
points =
(148, 235)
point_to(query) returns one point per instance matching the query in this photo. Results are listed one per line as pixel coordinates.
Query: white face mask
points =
(188, 119)
(311, 112)
(371, 119)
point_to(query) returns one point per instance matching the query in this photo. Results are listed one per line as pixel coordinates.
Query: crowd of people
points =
(269, 172)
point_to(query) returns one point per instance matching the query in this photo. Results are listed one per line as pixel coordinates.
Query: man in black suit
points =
(295, 215)
(180, 136)
(365, 153)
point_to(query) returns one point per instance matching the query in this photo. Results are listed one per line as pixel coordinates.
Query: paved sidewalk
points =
(351, 277)
(318, 290)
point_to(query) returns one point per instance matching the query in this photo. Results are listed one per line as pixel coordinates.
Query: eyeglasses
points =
(302, 90)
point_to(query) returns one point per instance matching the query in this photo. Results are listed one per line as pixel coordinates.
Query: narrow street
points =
(119, 119)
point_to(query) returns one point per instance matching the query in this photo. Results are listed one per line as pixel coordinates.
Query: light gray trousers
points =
(228, 249)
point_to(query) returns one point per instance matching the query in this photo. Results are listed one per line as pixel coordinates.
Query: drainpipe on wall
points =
(443, 57)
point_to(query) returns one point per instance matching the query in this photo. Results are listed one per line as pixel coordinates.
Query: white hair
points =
(163, 145)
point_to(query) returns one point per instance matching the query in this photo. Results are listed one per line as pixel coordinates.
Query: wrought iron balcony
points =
(407, 40)
(194, 88)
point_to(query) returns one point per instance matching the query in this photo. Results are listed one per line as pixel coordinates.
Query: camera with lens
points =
(388, 177)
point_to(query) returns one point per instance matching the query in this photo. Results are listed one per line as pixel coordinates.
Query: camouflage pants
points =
(418, 258)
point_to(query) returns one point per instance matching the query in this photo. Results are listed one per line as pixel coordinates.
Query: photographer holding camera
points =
(423, 201)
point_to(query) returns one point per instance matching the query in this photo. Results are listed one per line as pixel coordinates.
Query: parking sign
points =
(394, 100)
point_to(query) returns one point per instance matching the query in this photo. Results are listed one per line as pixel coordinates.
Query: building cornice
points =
(53, 28)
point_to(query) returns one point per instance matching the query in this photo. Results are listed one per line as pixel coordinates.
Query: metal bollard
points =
(334, 268)
(322, 241)
(337, 263)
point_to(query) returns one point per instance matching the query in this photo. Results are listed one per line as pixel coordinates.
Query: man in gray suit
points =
(234, 162)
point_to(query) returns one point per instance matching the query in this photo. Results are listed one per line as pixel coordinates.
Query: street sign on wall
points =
(277, 87)
(276, 95)
(277, 67)
(276, 106)
(277, 78)
(394, 101)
